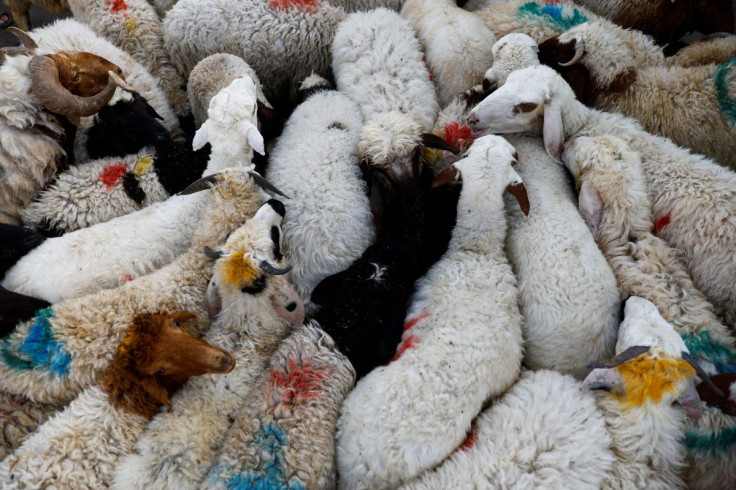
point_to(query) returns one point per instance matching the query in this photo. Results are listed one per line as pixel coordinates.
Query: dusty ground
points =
(39, 18)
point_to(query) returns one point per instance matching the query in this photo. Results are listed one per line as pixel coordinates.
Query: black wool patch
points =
(258, 285)
(133, 188)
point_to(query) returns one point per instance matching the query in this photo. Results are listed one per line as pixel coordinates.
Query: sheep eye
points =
(176, 324)
(160, 372)
(76, 77)
(525, 107)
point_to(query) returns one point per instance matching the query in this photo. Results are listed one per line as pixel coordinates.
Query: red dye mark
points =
(111, 174)
(470, 439)
(116, 6)
(556, 2)
(303, 5)
(127, 277)
(411, 322)
(457, 135)
(298, 383)
(408, 343)
(661, 223)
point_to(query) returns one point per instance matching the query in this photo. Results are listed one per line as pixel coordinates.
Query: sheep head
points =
(81, 73)
(157, 356)
(249, 270)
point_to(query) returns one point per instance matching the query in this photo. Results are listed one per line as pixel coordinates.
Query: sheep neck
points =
(481, 220)
(254, 316)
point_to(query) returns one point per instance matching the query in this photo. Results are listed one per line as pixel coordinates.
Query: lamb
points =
(284, 436)
(283, 41)
(456, 43)
(378, 63)
(133, 26)
(79, 447)
(546, 433)
(693, 198)
(567, 291)
(408, 416)
(101, 190)
(178, 446)
(688, 105)
(69, 34)
(363, 307)
(62, 351)
(172, 222)
(543, 19)
(329, 221)
(32, 99)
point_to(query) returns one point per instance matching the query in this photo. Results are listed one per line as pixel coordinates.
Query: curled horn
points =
(433, 141)
(14, 51)
(213, 254)
(266, 267)
(264, 184)
(627, 355)
(199, 185)
(579, 51)
(23, 37)
(701, 374)
(56, 98)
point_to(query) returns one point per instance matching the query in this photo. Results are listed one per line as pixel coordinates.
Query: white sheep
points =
(462, 343)
(378, 63)
(689, 105)
(282, 40)
(178, 446)
(284, 436)
(545, 433)
(51, 271)
(328, 222)
(60, 352)
(457, 44)
(567, 291)
(79, 447)
(693, 198)
(543, 19)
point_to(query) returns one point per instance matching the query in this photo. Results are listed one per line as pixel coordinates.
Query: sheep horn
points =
(14, 51)
(56, 98)
(628, 354)
(450, 174)
(213, 254)
(124, 85)
(199, 185)
(23, 37)
(579, 51)
(264, 184)
(433, 141)
(701, 374)
(519, 192)
(266, 267)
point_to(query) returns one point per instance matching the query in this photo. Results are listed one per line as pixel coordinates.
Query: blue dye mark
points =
(39, 349)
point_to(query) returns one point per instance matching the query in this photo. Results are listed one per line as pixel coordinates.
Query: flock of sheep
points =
(283, 244)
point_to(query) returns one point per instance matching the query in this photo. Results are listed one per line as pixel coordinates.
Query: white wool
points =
(462, 349)
(512, 52)
(315, 162)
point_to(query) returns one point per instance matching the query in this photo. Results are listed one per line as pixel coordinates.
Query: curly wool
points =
(543, 433)
(284, 436)
(19, 419)
(133, 26)
(69, 34)
(75, 340)
(567, 292)
(704, 52)
(283, 43)
(456, 43)
(328, 220)
(378, 63)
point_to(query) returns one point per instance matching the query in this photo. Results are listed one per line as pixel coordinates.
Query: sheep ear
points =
(690, 402)
(201, 137)
(213, 301)
(553, 131)
(602, 379)
(590, 206)
(255, 139)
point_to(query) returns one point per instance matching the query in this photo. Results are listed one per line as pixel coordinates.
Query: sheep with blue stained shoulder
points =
(546, 433)
(79, 447)
(457, 44)
(689, 105)
(693, 198)
(51, 271)
(284, 436)
(462, 345)
(329, 222)
(178, 446)
(613, 198)
(63, 350)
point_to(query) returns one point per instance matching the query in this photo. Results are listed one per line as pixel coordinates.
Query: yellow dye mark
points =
(142, 166)
(125, 343)
(236, 269)
(646, 377)
(130, 24)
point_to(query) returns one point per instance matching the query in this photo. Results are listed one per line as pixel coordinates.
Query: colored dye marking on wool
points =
(308, 6)
(299, 382)
(552, 12)
(713, 442)
(701, 345)
(111, 175)
(38, 349)
(724, 74)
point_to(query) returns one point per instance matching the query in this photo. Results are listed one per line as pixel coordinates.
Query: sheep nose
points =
(161, 138)
(119, 71)
(224, 362)
(472, 119)
(291, 306)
